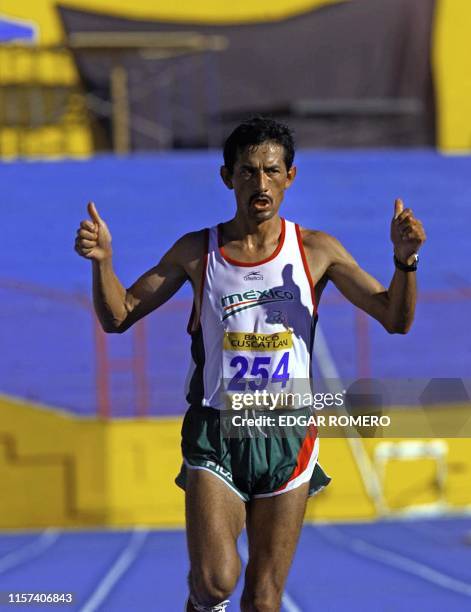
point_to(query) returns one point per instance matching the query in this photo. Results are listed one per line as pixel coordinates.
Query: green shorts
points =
(252, 467)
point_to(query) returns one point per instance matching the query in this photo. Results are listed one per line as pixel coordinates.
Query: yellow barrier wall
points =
(59, 470)
(452, 72)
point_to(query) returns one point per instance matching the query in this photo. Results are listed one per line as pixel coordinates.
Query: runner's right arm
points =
(118, 308)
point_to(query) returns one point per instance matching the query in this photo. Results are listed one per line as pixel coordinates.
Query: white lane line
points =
(331, 376)
(393, 559)
(287, 601)
(119, 567)
(29, 551)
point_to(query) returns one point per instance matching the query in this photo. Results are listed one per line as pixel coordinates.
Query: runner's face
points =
(259, 180)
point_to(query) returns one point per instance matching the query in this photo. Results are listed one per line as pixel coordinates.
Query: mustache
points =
(260, 196)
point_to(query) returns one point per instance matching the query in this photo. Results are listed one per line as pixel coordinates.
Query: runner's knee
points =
(211, 586)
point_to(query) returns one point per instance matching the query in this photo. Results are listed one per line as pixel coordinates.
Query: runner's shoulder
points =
(318, 240)
(191, 247)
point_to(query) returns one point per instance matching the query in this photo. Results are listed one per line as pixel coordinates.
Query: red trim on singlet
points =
(304, 455)
(253, 264)
(306, 267)
(191, 327)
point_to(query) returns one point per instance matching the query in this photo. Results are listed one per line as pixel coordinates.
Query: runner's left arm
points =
(394, 307)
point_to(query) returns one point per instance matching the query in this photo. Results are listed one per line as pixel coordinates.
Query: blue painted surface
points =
(324, 576)
(13, 29)
(149, 201)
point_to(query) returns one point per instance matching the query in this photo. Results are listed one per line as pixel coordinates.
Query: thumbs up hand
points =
(407, 233)
(93, 239)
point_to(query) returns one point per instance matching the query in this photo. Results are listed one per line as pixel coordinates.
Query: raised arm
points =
(118, 308)
(394, 307)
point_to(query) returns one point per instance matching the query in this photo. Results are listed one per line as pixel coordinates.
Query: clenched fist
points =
(93, 239)
(407, 233)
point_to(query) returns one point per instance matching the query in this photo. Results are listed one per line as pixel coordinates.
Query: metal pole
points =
(363, 344)
(120, 109)
(140, 369)
(102, 371)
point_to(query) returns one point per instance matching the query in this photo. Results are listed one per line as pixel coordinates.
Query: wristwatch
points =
(405, 267)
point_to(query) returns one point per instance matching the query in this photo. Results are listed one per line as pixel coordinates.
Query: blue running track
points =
(411, 566)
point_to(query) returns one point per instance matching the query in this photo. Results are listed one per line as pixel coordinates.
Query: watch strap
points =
(404, 267)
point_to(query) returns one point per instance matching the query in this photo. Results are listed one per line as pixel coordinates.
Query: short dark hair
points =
(253, 132)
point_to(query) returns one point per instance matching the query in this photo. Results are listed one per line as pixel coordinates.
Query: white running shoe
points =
(220, 607)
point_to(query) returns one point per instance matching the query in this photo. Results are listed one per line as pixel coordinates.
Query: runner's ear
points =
(226, 177)
(291, 175)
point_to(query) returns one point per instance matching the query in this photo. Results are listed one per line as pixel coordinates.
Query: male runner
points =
(257, 276)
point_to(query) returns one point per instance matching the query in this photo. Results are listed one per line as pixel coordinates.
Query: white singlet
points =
(256, 325)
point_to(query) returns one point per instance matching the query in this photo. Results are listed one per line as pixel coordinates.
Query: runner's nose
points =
(262, 181)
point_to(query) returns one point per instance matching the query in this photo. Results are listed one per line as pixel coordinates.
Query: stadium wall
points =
(452, 67)
(451, 52)
(44, 14)
(53, 69)
(75, 472)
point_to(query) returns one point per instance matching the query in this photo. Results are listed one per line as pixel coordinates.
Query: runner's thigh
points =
(215, 516)
(273, 528)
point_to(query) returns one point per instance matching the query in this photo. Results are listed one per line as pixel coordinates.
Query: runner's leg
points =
(273, 528)
(215, 516)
